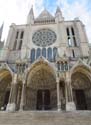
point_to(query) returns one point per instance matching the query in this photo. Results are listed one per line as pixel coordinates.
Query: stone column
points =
(58, 96)
(22, 102)
(11, 106)
(18, 96)
(70, 105)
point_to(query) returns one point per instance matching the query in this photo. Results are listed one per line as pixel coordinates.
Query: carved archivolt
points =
(42, 79)
(80, 81)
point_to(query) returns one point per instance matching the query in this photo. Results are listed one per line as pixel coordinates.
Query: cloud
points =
(16, 11)
(78, 8)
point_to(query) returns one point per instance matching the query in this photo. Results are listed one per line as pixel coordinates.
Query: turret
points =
(1, 30)
(30, 17)
(58, 15)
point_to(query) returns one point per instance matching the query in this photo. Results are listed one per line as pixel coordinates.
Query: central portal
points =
(41, 88)
(43, 100)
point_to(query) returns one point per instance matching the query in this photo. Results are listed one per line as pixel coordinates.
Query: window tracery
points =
(38, 53)
(44, 37)
(44, 52)
(49, 54)
(54, 53)
(32, 55)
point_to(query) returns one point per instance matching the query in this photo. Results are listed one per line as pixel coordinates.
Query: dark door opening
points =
(80, 100)
(6, 99)
(43, 100)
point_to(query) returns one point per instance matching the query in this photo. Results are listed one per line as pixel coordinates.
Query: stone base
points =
(21, 109)
(46, 118)
(10, 107)
(59, 109)
(70, 106)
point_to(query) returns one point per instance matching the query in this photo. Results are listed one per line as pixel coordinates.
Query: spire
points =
(1, 30)
(30, 18)
(58, 10)
(44, 15)
(31, 11)
(58, 15)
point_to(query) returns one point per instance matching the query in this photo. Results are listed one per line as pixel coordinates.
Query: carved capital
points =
(68, 80)
(14, 81)
(57, 80)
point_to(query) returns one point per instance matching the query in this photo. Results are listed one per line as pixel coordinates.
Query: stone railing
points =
(14, 55)
(11, 55)
(7, 55)
(3, 54)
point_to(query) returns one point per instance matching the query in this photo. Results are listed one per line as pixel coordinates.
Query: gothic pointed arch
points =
(38, 53)
(33, 55)
(41, 84)
(54, 53)
(41, 62)
(81, 67)
(49, 54)
(81, 86)
(44, 52)
(5, 86)
(5, 66)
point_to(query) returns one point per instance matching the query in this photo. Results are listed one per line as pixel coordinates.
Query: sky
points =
(16, 11)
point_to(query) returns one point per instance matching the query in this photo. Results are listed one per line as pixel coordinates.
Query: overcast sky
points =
(16, 11)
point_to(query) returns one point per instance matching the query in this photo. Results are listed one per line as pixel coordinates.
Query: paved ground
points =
(46, 118)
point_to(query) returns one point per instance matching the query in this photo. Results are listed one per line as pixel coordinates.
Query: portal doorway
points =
(81, 86)
(41, 91)
(43, 100)
(5, 86)
(6, 99)
(80, 100)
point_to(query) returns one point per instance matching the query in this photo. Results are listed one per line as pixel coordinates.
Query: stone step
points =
(45, 118)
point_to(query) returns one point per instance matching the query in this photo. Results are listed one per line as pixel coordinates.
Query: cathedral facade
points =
(45, 65)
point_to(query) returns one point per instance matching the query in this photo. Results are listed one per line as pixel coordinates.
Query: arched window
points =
(74, 40)
(54, 53)
(67, 30)
(49, 54)
(20, 45)
(22, 34)
(69, 42)
(72, 30)
(66, 66)
(17, 34)
(62, 66)
(32, 55)
(44, 52)
(15, 45)
(38, 53)
(73, 53)
(58, 66)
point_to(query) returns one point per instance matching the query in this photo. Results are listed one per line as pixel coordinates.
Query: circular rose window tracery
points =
(44, 37)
